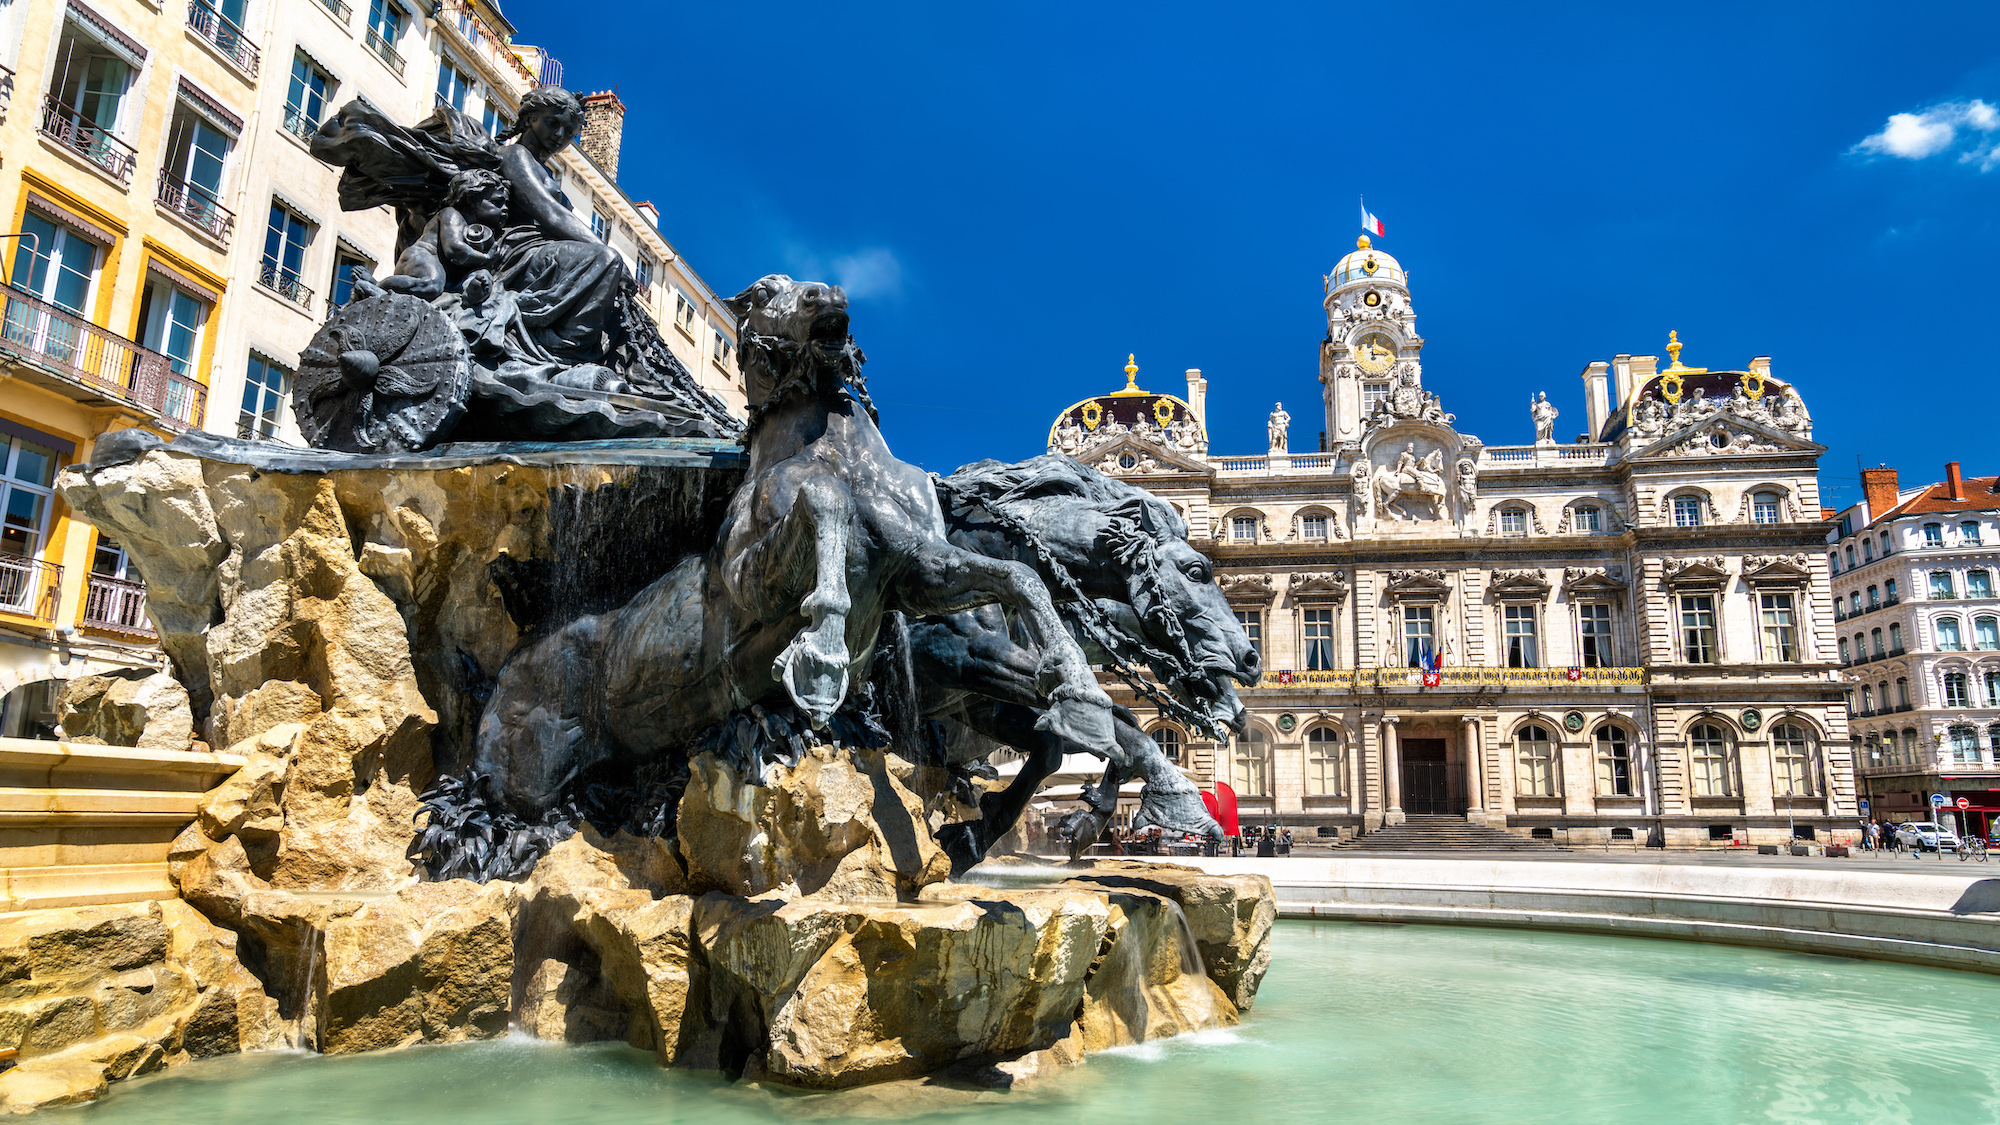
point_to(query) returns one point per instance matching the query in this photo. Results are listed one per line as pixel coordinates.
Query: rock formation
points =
(144, 710)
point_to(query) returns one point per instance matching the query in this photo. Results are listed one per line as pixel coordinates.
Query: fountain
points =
(567, 703)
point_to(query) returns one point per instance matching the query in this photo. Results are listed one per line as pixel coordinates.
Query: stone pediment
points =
(1700, 570)
(1331, 584)
(1418, 584)
(1726, 435)
(1126, 456)
(1593, 580)
(1776, 569)
(1519, 584)
(1246, 587)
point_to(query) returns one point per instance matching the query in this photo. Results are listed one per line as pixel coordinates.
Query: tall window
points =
(1513, 521)
(285, 245)
(1168, 739)
(1895, 637)
(1947, 634)
(173, 321)
(1708, 752)
(1986, 633)
(1993, 740)
(1957, 690)
(1614, 763)
(1588, 518)
(1520, 624)
(1902, 691)
(492, 119)
(452, 85)
(1889, 590)
(265, 388)
(1867, 549)
(1594, 622)
(642, 272)
(1875, 638)
(191, 172)
(1792, 756)
(1993, 688)
(1844, 657)
(599, 227)
(1698, 628)
(305, 100)
(30, 475)
(1867, 699)
(1536, 776)
(1979, 584)
(1687, 511)
(1319, 640)
(1243, 529)
(1781, 628)
(1250, 767)
(1964, 744)
(1371, 394)
(385, 24)
(1419, 634)
(91, 104)
(1941, 586)
(1313, 527)
(1326, 763)
(1853, 603)
(1933, 535)
(1968, 533)
(1850, 556)
(1874, 596)
(1253, 627)
(58, 265)
(723, 349)
(344, 264)
(1764, 507)
(684, 311)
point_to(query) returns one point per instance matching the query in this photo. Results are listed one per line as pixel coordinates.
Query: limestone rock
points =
(1148, 982)
(46, 1085)
(147, 710)
(434, 963)
(839, 824)
(646, 951)
(1230, 916)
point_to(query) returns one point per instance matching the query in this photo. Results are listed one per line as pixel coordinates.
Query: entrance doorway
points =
(1427, 779)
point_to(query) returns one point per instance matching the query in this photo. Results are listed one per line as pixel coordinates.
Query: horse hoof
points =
(815, 674)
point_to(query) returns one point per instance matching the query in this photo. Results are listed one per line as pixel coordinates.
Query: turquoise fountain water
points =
(1354, 1023)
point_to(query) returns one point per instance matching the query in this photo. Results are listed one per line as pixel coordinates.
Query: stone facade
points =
(1913, 573)
(1632, 633)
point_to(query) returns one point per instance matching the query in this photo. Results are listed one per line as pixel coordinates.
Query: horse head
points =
(779, 321)
(1127, 552)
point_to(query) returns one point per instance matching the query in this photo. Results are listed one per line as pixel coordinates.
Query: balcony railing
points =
(6, 88)
(285, 284)
(117, 605)
(227, 37)
(385, 50)
(299, 123)
(54, 338)
(30, 586)
(87, 139)
(1375, 679)
(195, 204)
(461, 18)
(340, 11)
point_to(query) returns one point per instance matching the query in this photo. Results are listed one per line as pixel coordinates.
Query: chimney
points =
(1197, 396)
(1878, 490)
(603, 130)
(1596, 390)
(1954, 484)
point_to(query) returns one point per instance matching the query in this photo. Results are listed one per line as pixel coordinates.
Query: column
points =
(1392, 772)
(1475, 774)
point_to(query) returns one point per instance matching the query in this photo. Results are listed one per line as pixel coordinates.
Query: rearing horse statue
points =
(828, 532)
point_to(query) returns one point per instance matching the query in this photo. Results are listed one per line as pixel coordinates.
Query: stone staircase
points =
(1443, 834)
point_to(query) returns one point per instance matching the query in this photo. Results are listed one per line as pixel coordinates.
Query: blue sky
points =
(1018, 196)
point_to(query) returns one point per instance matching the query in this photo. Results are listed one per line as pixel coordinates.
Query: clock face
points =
(1374, 354)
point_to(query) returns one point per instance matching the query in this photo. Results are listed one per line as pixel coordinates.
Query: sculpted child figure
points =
(458, 240)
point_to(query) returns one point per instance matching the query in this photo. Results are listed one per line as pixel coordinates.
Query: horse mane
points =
(794, 366)
(1054, 475)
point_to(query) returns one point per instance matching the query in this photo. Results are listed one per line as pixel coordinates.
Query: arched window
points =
(1850, 556)
(1169, 741)
(1764, 507)
(1895, 637)
(1968, 533)
(1993, 741)
(1326, 763)
(1833, 562)
(1614, 762)
(1933, 535)
(1867, 550)
(1885, 544)
(1882, 693)
(1867, 699)
(1979, 584)
(1993, 687)
(1941, 586)
(1874, 597)
(1792, 754)
(1854, 603)
(1844, 657)
(1860, 647)
(1708, 752)
(1537, 776)
(1986, 633)
(1875, 635)
(1957, 690)
(1889, 590)
(1910, 745)
(1902, 691)
(1251, 769)
(1964, 744)
(1947, 634)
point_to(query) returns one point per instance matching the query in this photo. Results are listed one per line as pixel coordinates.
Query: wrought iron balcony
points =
(299, 123)
(195, 204)
(285, 284)
(340, 11)
(30, 586)
(87, 139)
(6, 88)
(385, 50)
(117, 605)
(57, 340)
(227, 37)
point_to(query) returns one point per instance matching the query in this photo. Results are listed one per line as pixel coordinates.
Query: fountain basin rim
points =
(275, 457)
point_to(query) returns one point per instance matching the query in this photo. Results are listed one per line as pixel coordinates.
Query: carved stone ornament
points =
(1533, 582)
(1259, 587)
(1699, 568)
(1418, 583)
(1776, 568)
(1721, 439)
(1320, 583)
(1534, 516)
(1593, 578)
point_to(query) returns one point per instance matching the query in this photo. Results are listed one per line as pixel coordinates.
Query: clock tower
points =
(1371, 351)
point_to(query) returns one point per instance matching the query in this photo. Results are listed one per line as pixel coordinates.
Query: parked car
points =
(1927, 836)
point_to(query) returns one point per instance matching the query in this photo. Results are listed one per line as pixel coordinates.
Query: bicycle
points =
(1973, 848)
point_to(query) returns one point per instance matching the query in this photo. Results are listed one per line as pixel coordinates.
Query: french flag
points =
(1370, 223)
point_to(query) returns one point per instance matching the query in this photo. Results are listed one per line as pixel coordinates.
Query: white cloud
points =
(1915, 136)
(869, 273)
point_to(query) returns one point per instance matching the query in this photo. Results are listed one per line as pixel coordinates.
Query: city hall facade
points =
(1625, 638)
